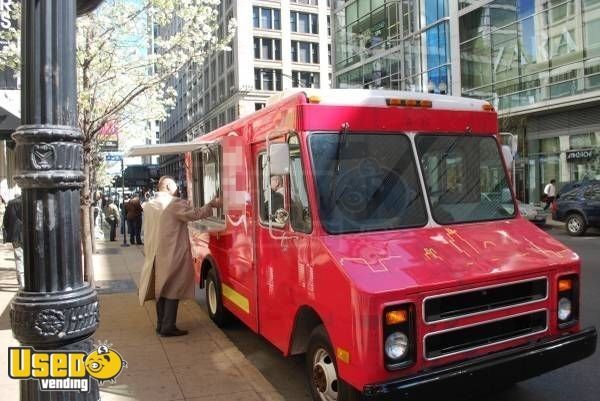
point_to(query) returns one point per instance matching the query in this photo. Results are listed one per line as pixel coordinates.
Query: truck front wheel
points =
(322, 370)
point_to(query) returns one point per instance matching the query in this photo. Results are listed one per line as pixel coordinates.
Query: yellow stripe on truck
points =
(236, 298)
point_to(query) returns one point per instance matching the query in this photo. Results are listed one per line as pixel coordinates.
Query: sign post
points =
(123, 200)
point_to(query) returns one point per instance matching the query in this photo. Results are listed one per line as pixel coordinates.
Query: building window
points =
(229, 56)
(305, 52)
(307, 2)
(306, 79)
(267, 79)
(231, 114)
(213, 70)
(258, 106)
(231, 82)
(267, 18)
(304, 22)
(267, 49)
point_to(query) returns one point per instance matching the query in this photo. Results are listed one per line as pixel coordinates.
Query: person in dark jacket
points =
(134, 220)
(12, 223)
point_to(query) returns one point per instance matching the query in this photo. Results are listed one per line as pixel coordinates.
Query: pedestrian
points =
(550, 192)
(124, 215)
(168, 272)
(13, 223)
(112, 216)
(134, 220)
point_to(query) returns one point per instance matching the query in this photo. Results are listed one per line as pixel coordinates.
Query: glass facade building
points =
(536, 61)
(400, 44)
(517, 53)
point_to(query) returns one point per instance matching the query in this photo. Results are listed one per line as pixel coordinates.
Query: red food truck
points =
(377, 232)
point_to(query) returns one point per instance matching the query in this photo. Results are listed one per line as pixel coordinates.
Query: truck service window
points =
(206, 177)
(465, 178)
(366, 182)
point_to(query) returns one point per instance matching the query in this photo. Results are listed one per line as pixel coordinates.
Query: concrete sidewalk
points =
(204, 365)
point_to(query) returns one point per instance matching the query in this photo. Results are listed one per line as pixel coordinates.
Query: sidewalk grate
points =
(108, 251)
(115, 286)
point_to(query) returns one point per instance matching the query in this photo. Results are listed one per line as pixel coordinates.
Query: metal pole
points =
(123, 202)
(56, 309)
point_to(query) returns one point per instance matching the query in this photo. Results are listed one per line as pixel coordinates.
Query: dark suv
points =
(578, 207)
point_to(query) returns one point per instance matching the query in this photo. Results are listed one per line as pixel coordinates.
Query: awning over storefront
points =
(166, 148)
(10, 112)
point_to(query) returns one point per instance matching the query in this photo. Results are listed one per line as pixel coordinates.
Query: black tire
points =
(214, 300)
(575, 225)
(321, 370)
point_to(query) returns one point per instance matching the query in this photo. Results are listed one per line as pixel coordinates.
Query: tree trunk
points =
(92, 207)
(86, 237)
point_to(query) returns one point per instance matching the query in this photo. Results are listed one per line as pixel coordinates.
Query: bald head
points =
(167, 184)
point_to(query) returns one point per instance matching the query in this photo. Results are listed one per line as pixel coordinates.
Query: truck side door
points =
(283, 253)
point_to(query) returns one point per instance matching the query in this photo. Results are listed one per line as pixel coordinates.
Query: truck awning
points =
(166, 148)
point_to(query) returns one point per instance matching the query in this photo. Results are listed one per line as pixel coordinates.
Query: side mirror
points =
(508, 155)
(279, 157)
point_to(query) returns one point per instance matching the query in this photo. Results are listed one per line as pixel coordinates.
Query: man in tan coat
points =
(168, 273)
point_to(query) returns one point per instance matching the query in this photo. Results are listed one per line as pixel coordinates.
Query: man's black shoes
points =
(173, 333)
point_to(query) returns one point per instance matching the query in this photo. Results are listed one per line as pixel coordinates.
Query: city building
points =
(278, 44)
(536, 61)
(10, 109)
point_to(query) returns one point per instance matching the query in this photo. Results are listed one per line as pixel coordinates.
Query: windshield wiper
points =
(338, 156)
(341, 142)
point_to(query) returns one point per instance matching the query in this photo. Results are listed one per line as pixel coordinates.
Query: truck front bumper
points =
(488, 371)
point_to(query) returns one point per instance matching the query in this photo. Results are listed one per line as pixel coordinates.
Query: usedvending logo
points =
(65, 371)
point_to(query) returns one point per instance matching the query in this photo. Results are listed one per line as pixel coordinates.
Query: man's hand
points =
(216, 202)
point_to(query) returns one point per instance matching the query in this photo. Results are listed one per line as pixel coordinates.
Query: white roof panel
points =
(377, 97)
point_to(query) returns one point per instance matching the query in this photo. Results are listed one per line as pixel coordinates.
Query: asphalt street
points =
(579, 381)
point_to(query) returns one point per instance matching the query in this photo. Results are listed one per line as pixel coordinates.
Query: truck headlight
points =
(396, 346)
(565, 308)
(399, 336)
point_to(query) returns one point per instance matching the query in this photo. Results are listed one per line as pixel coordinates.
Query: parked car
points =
(579, 208)
(571, 185)
(536, 214)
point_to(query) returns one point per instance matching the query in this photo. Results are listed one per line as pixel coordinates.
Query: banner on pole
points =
(108, 137)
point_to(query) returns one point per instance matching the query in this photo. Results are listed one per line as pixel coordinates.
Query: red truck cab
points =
(377, 232)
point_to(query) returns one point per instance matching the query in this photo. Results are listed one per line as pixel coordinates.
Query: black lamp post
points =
(56, 309)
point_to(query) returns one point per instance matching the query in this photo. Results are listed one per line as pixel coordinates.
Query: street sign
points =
(114, 158)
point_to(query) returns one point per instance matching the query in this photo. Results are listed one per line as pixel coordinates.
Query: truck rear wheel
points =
(214, 300)
(322, 373)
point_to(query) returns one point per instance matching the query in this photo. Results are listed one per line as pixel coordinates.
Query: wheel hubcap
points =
(574, 225)
(324, 376)
(212, 297)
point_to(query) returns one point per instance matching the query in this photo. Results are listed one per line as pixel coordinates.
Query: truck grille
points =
(484, 299)
(466, 338)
